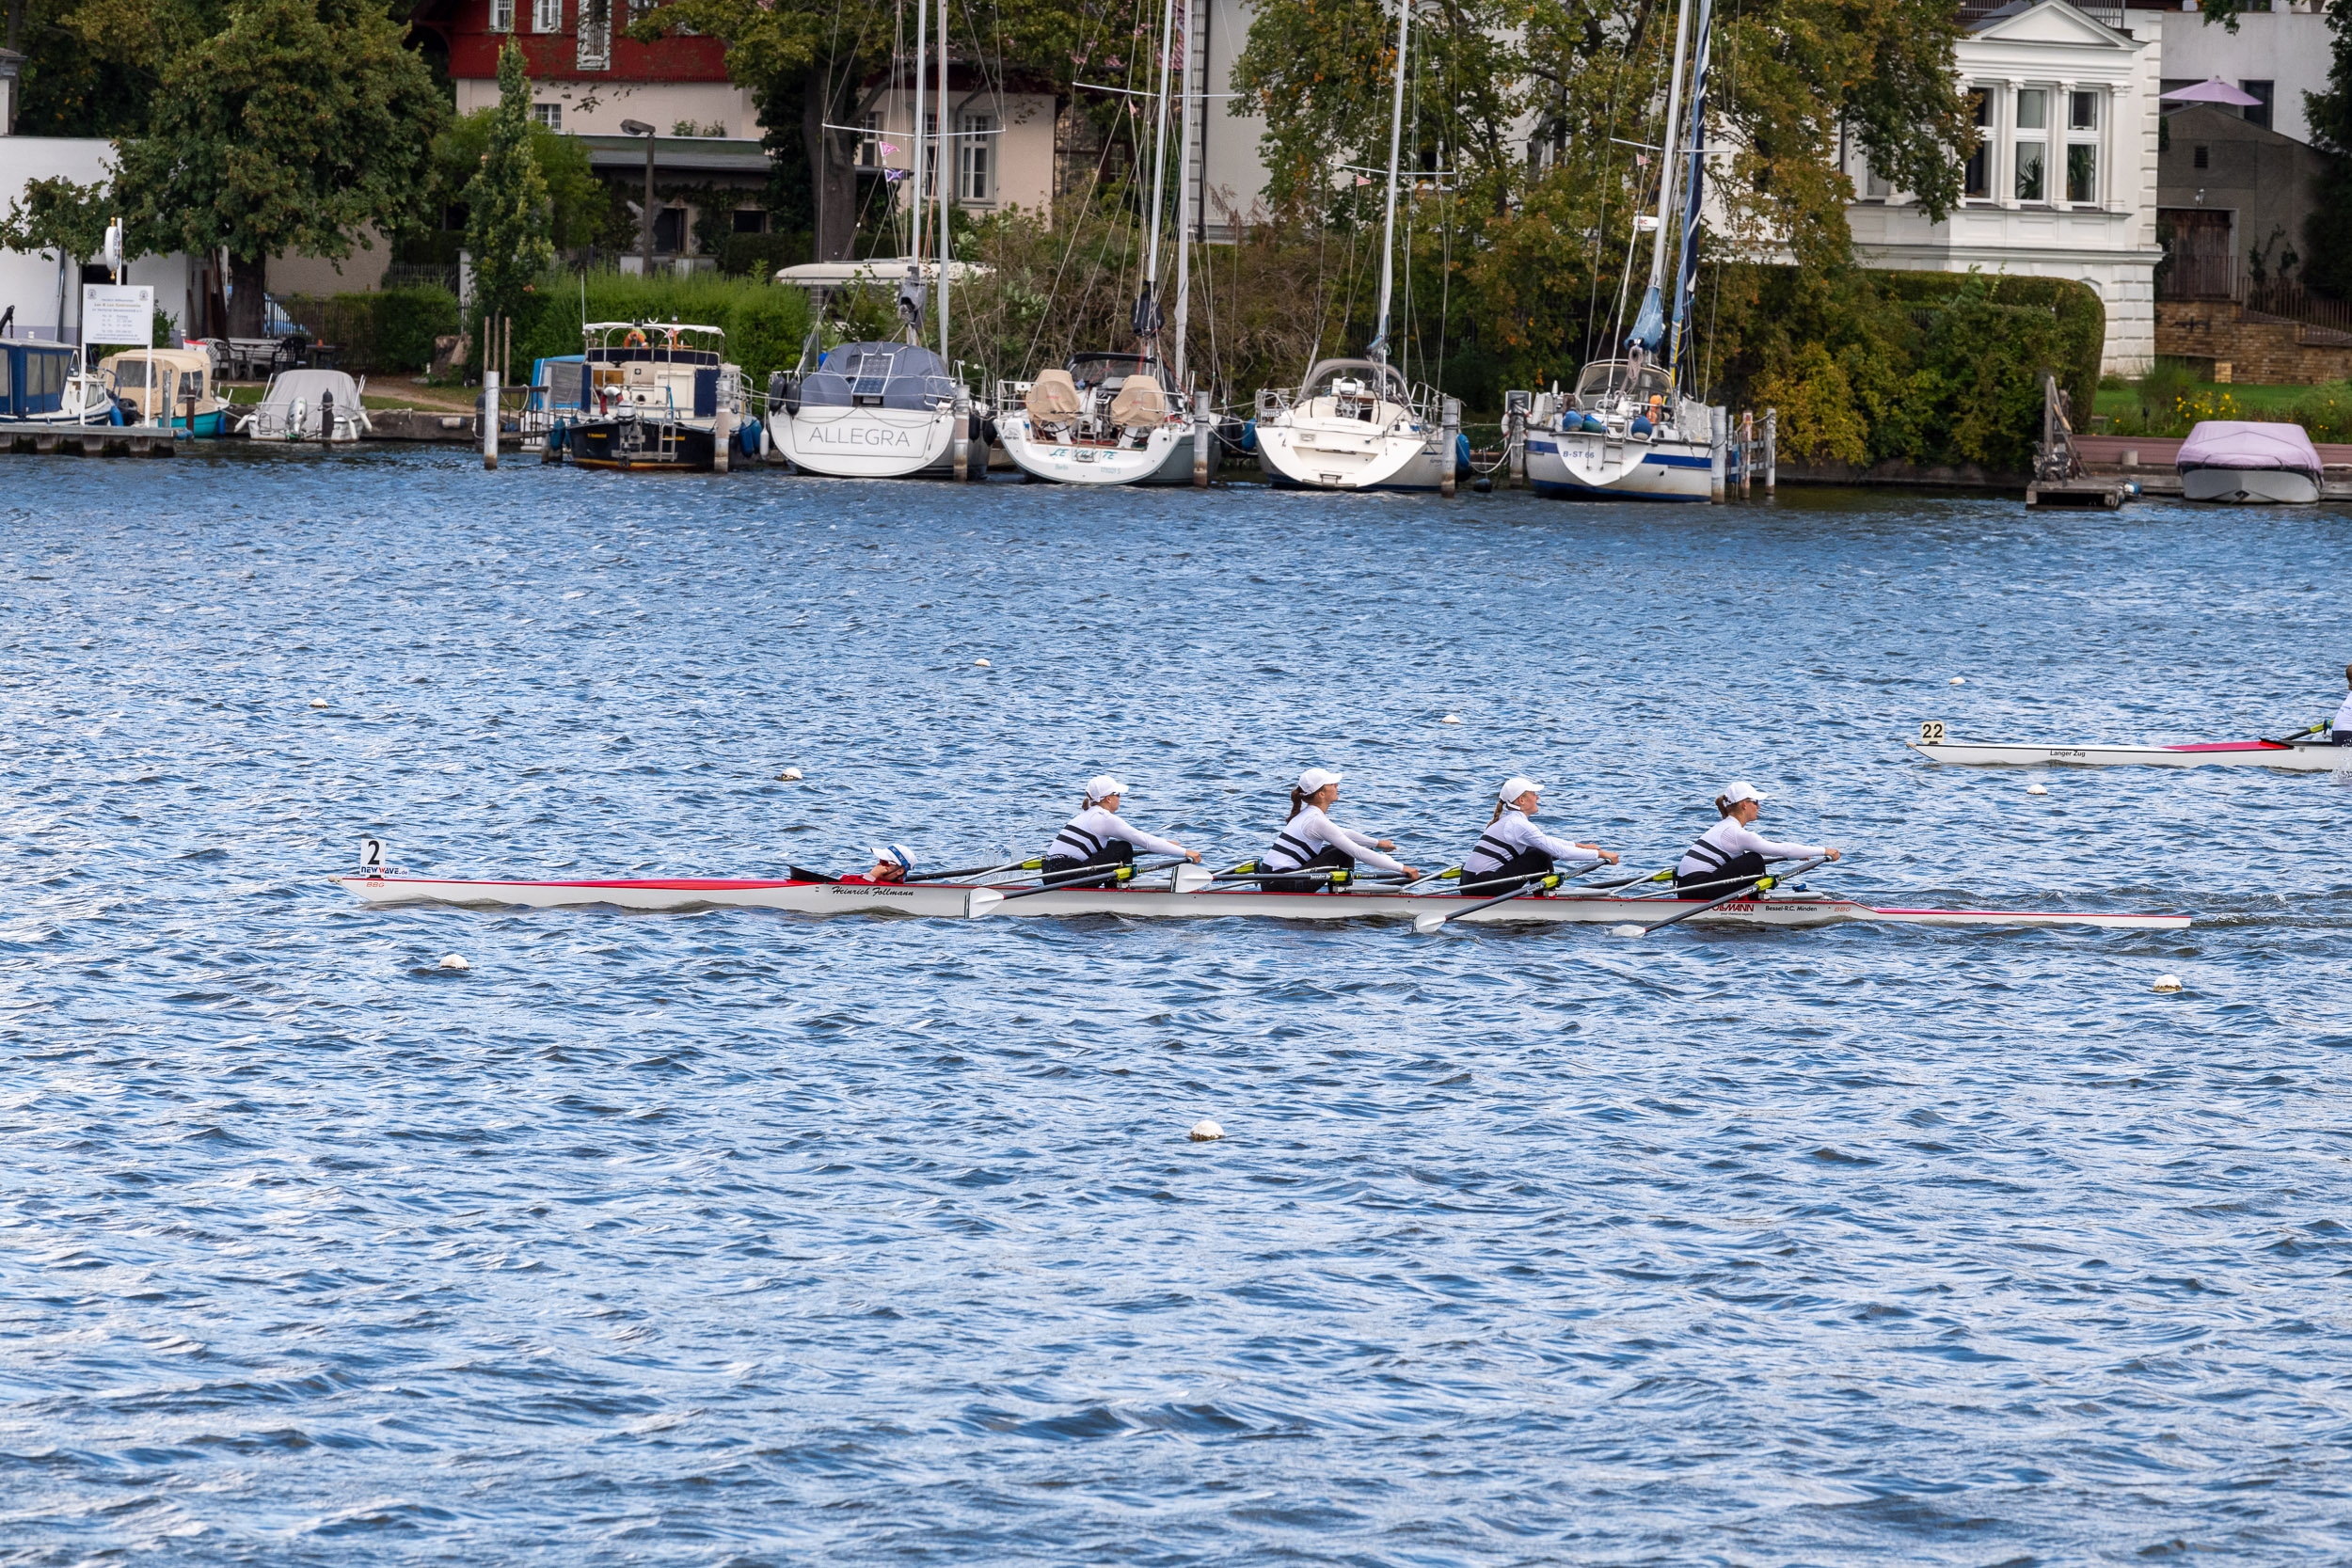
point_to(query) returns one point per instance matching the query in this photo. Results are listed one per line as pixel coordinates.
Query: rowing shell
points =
(2301, 756)
(955, 901)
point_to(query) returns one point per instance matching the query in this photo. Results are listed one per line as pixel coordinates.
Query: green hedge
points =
(1920, 367)
(387, 331)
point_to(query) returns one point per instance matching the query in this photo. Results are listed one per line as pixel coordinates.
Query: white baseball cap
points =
(1315, 778)
(1517, 785)
(896, 852)
(1104, 786)
(1739, 792)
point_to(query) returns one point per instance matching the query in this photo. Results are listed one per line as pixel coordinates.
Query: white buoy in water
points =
(454, 961)
(1205, 1133)
(2035, 790)
(1450, 718)
(790, 775)
(1629, 931)
(2167, 982)
(982, 664)
(318, 702)
(1959, 680)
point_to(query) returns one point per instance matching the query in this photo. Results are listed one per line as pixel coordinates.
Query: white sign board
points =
(118, 314)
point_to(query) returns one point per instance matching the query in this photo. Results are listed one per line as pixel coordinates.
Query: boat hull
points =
(1164, 457)
(2249, 487)
(1591, 466)
(636, 445)
(949, 901)
(1319, 455)
(2297, 758)
(872, 443)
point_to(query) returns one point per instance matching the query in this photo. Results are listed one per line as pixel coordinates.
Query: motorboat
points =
(166, 385)
(1624, 433)
(1353, 425)
(648, 396)
(2248, 462)
(1101, 419)
(309, 405)
(875, 410)
(40, 383)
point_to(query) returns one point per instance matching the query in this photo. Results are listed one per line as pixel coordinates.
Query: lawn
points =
(2325, 411)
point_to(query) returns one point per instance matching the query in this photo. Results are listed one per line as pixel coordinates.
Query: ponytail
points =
(1086, 801)
(1298, 804)
(1501, 806)
(1722, 807)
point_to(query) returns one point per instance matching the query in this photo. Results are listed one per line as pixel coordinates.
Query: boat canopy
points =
(653, 342)
(877, 376)
(1326, 376)
(1110, 370)
(311, 388)
(2247, 444)
(1608, 379)
(32, 377)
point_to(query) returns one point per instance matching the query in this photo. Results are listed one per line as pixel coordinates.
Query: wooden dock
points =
(88, 440)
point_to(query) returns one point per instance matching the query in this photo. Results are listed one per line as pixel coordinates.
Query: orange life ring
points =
(634, 340)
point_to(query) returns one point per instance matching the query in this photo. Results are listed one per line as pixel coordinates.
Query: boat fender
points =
(1461, 455)
(1641, 426)
(1249, 436)
(747, 438)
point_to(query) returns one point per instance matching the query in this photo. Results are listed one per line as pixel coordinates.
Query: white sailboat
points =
(889, 410)
(1627, 432)
(1356, 424)
(1109, 418)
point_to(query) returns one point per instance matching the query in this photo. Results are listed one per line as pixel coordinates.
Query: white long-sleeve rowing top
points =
(2343, 715)
(1311, 830)
(1511, 834)
(1728, 838)
(1083, 835)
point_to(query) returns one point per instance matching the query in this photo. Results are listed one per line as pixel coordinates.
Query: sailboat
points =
(1111, 417)
(1354, 424)
(1627, 432)
(888, 410)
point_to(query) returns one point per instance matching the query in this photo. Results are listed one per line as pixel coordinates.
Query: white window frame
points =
(502, 16)
(976, 160)
(548, 115)
(2090, 137)
(596, 34)
(546, 16)
(2022, 137)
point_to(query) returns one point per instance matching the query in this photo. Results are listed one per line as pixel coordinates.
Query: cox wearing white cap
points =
(1096, 836)
(891, 865)
(1310, 841)
(1513, 850)
(1729, 852)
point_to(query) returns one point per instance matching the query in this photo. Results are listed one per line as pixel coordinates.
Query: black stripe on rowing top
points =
(1300, 853)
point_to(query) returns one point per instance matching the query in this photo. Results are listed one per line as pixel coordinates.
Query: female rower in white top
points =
(1513, 850)
(2340, 729)
(1096, 836)
(1728, 853)
(1310, 841)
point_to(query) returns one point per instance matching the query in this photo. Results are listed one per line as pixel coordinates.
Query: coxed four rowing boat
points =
(2300, 756)
(949, 900)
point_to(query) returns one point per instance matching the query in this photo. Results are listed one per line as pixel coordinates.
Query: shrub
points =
(407, 322)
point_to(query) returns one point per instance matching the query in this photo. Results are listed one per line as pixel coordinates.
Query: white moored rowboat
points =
(959, 901)
(2300, 756)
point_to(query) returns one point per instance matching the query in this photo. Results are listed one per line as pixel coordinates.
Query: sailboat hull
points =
(1317, 455)
(1164, 458)
(872, 443)
(1591, 466)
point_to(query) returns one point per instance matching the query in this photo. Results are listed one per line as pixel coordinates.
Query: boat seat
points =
(1140, 403)
(1052, 398)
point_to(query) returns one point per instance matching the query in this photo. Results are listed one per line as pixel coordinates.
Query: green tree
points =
(506, 201)
(2328, 231)
(579, 203)
(58, 215)
(296, 128)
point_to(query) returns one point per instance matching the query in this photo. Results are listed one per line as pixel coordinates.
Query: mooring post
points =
(1747, 449)
(1516, 407)
(1771, 450)
(489, 414)
(1450, 422)
(964, 433)
(721, 439)
(1200, 428)
(1718, 430)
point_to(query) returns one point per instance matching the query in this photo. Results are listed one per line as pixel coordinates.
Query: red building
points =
(587, 76)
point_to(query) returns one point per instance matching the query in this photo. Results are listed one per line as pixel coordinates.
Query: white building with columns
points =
(2063, 181)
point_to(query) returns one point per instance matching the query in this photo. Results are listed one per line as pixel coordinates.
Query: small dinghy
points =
(2249, 463)
(309, 405)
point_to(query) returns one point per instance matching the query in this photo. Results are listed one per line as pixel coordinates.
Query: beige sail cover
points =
(1140, 403)
(1052, 398)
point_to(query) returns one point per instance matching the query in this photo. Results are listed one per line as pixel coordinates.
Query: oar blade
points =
(1428, 922)
(1193, 879)
(978, 901)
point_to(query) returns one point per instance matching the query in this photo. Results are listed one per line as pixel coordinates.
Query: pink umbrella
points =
(2214, 91)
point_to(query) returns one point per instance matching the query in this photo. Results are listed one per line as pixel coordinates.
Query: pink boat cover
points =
(2244, 444)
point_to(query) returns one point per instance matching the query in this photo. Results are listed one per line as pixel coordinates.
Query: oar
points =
(1753, 884)
(1188, 878)
(1565, 876)
(976, 871)
(1427, 923)
(2297, 735)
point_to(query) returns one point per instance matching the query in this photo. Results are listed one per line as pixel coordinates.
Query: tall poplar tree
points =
(507, 215)
(294, 130)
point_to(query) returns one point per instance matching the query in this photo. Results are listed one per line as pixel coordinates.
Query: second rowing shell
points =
(668, 893)
(2296, 756)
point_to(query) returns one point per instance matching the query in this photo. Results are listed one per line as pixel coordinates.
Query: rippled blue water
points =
(744, 1239)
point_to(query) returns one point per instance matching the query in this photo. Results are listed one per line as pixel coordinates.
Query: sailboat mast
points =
(1183, 220)
(1388, 232)
(1159, 155)
(941, 176)
(1666, 159)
